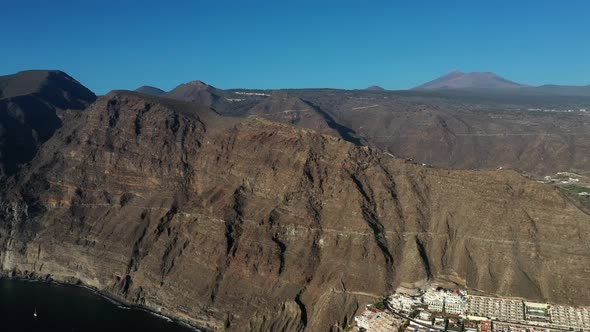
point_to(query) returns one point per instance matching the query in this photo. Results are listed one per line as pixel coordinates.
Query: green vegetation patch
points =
(575, 189)
(379, 305)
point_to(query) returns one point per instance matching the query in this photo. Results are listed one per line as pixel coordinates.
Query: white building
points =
(455, 303)
(434, 299)
(425, 316)
(452, 301)
(377, 321)
(498, 308)
(570, 317)
(364, 320)
(404, 303)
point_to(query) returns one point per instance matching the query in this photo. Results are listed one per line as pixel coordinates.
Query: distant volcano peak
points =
(375, 88)
(198, 83)
(457, 79)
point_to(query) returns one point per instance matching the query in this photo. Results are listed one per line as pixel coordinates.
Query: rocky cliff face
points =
(249, 225)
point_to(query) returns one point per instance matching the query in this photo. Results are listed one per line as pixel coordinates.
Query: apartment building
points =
(497, 308)
(570, 317)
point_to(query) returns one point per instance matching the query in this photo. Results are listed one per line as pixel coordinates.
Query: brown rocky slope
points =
(540, 133)
(250, 225)
(463, 130)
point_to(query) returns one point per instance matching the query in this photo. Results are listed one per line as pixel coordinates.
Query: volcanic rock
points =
(249, 225)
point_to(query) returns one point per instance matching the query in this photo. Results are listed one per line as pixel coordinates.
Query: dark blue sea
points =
(68, 308)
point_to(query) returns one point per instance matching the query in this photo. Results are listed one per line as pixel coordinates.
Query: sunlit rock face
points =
(248, 225)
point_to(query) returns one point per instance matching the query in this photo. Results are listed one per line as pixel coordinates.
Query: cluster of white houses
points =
(436, 299)
(485, 313)
(450, 301)
(376, 320)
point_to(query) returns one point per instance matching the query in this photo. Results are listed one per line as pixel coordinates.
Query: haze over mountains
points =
(289, 210)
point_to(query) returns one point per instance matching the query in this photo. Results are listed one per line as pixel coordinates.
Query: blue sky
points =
(290, 44)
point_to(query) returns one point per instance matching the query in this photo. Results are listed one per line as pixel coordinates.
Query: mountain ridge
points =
(32, 105)
(249, 224)
(465, 118)
(375, 88)
(150, 90)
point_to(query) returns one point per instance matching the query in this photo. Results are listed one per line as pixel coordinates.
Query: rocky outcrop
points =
(200, 93)
(281, 107)
(249, 225)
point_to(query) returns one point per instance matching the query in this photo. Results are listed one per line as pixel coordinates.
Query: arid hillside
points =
(531, 130)
(538, 134)
(244, 224)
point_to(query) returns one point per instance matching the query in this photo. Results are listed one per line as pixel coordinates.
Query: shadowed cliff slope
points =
(247, 224)
(31, 103)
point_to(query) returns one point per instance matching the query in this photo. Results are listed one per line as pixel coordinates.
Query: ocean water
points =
(68, 308)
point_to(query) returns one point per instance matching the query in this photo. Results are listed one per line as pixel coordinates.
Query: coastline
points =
(121, 303)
